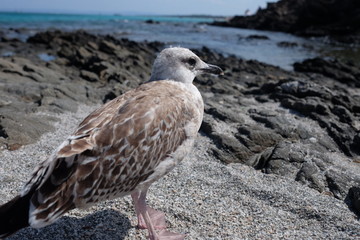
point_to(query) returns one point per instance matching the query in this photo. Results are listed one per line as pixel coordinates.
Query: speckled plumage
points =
(115, 149)
(120, 148)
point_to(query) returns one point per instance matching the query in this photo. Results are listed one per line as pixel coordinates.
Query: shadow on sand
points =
(106, 224)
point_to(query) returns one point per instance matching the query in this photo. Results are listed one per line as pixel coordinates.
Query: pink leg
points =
(157, 217)
(151, 219)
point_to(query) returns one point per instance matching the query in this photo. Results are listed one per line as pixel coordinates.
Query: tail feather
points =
(14, 215)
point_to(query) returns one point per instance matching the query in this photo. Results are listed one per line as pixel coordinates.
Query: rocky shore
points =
(338, 19)
(278, 154)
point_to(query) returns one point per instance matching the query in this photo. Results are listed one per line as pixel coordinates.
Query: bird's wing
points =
(114, 149)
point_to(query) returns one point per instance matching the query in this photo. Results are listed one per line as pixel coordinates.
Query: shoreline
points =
(277, 48)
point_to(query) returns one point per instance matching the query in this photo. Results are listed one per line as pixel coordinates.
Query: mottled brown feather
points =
(136, 131)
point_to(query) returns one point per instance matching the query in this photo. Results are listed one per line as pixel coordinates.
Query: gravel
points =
(202, 198)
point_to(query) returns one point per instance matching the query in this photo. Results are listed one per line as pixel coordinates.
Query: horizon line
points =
(125, 13)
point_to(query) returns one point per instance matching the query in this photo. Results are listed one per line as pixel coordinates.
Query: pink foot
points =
(157, 219)
(166, 235)
(151, 219)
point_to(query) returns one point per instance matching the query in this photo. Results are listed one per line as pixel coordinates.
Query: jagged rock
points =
(83, 63)
(291, 124)
(338, 19)
(346, 73)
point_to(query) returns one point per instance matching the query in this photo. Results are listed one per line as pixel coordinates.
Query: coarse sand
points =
(202, 198)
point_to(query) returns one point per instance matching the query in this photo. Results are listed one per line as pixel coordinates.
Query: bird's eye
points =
(191, 61)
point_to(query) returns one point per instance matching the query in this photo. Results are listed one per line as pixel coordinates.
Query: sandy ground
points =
(201, 198)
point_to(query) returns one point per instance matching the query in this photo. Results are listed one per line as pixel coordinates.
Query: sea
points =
(276, 48)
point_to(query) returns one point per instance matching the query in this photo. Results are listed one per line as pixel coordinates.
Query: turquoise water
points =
(13, 18)
(192, 32)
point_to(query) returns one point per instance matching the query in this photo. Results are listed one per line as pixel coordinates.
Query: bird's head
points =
(181, 65)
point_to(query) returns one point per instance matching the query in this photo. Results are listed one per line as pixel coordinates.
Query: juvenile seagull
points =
(119, 149)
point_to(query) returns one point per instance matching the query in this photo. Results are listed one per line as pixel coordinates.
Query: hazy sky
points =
(213, 7)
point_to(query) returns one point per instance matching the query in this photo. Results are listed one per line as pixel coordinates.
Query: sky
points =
(162, 7)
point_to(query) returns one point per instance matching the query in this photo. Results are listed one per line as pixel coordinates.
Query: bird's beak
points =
(212, 69)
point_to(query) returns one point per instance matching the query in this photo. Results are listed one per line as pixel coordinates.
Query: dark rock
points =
(287, 44)
(292, 124)
(336, 69)
(354, 198)
(9, 40)
(108, 47)
(43, 37)
(283, 161)
(315, 101)
(311, 175)
(3, 133)
(228, 148)
(109, 96)
(151, 21)
(356, 143)
(83, 63)
(257, 37)
(338, 19)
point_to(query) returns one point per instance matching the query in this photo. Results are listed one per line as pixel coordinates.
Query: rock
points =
(151, 21)
(43, 37)
(108, 47)
(17, 128)
(257, 37)
(89, 76)
(287, 44)
(315, 102)
(354, 198)
(83, 53)
(9, 40)
(297, 125)
(347, 73)
(83, 63)
(338, 19)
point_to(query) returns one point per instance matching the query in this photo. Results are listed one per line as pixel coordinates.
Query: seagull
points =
(119, 149)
